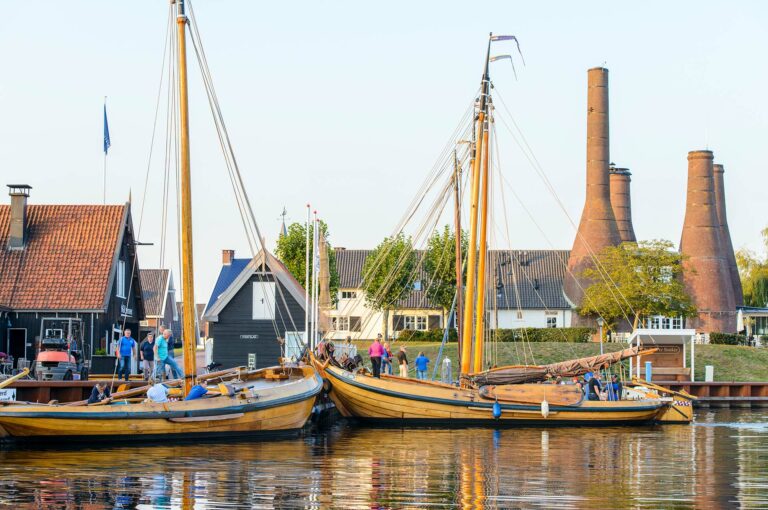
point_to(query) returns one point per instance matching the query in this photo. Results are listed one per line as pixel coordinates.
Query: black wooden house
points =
(255, 312)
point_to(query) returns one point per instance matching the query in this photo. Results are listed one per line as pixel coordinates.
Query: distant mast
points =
(187, 267)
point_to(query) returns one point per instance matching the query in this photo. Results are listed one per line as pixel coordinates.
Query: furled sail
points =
(570, 368)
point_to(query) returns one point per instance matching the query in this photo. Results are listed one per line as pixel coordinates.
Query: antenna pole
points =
(306, 280)
(187, 268)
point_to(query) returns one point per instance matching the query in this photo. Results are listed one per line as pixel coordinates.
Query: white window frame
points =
(417, 285)
(422, 323)
(415, 322)
(519, 315)
(551, 321)
(348, 294)
(120, 277)
(342, 323)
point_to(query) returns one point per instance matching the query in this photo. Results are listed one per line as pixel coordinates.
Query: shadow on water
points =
(718, 462)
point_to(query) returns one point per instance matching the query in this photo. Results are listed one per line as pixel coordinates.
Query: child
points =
(421, 363)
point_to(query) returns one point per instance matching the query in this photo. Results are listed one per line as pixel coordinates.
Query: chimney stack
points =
(725, 235)
(621, 203)
(227, 256)
(706, 275)
(17, 232)
(597, 228)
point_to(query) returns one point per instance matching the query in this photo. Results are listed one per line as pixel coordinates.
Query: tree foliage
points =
(388, 272)
(440, 266)
(753, 271)
(291, 251)
(636, 280)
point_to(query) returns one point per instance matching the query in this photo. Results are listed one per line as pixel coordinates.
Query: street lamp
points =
(600, 323)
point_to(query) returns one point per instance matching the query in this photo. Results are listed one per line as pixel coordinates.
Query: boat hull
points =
(266, 409)
(392, 400)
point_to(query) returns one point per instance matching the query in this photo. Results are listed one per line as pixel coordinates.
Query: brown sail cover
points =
(570, 368)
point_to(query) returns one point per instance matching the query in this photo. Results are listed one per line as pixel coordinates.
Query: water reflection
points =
(719, 462)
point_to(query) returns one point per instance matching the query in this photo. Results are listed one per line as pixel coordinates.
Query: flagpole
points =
(306, 280)
(314, 280)
(107, 145)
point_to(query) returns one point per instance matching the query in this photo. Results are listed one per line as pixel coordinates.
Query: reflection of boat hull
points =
(261, 407)
(392, 399)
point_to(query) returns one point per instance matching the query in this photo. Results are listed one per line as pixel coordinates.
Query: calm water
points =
(719, 462)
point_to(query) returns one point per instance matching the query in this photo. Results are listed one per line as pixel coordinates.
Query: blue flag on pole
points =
(107, 142)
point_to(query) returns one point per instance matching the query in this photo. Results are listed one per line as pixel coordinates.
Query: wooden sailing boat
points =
(271, 400)
(509, 395)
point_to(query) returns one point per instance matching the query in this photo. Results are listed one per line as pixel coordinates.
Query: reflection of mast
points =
(187, 269)
(466, 351)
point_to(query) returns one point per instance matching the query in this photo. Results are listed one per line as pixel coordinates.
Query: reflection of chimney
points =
(725, 235)
(597, 228)
(227, 256)
(17, 232)
(621, 203)
(706, 276)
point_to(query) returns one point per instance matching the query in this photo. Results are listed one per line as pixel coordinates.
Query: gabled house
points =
(159, 302)
(66, 270)
(255, 311)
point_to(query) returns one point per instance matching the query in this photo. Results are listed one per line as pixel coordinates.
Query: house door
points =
(263, 301)
(17, 343)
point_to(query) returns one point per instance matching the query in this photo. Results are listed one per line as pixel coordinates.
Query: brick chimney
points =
(597, 228)
(227, 256)
(17, 232)
(725, 235)
(621, 202)
(706, 278)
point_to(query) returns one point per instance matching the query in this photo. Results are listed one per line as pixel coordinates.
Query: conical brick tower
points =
(706, 276)
(725, 235)
(621, 203)
(597, 228)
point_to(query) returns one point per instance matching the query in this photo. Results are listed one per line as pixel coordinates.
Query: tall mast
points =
(480, 306)
(457, 228)
(466, 346)
(187, 268)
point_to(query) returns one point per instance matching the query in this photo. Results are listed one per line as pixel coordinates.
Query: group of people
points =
(156, 355)
(595, 389)
(382, 359)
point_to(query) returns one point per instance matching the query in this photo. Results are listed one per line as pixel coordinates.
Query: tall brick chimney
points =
(17, 232)
(227, 256)
(621, 202)
(597, 228)
(706, 278)
(725, 235)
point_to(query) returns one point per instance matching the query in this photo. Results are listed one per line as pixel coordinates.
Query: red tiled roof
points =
(67, 260)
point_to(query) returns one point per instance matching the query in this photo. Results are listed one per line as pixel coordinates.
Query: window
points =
(348, 294)
(341, 323)
(175, 305)
(417, 285)
(120, 279)
(551, 322)
(519, 315)
(415, 322)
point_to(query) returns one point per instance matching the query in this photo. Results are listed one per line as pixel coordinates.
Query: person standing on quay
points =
(402, 358)
(162, 346)
(147, 353)
(375, 351)
(421, 363)
(125, 348)
(386, 360)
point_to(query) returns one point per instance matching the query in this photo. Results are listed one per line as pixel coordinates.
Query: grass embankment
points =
(732, 363)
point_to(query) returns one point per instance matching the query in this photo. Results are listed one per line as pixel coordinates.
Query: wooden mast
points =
(457, 228)
(483, 249)
(466, 346)
(187, 268)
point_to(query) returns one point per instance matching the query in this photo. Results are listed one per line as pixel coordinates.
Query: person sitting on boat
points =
(162, 357)
(402, 359)
(158, 392)
(100, 393)
(615, 388)
(375, 351)
(593, 387)
(421, 363)
(386, 359)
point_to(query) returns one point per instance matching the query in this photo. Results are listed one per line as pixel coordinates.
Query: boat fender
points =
(544, 408)
(496, 410)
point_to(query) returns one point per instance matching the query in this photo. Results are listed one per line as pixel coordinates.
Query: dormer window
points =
(120, 279)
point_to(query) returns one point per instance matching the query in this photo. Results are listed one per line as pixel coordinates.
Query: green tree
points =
(440, 266)
(753, 271)
(292, 248)
(388, 274)
(636, 280)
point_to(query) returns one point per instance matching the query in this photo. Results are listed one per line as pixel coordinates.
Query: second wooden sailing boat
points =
(271, 400)
(509, 395)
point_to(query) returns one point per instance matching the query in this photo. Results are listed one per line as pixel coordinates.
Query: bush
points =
(572, 335)
(727, 339)
(432, 335)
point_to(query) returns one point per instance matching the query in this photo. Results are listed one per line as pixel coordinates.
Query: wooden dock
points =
(723, 394)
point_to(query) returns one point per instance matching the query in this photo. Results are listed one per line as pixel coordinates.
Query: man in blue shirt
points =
(421, 363)
(162, 359)
(125, 349)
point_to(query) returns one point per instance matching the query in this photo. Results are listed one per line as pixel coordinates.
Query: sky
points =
(347, 105)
